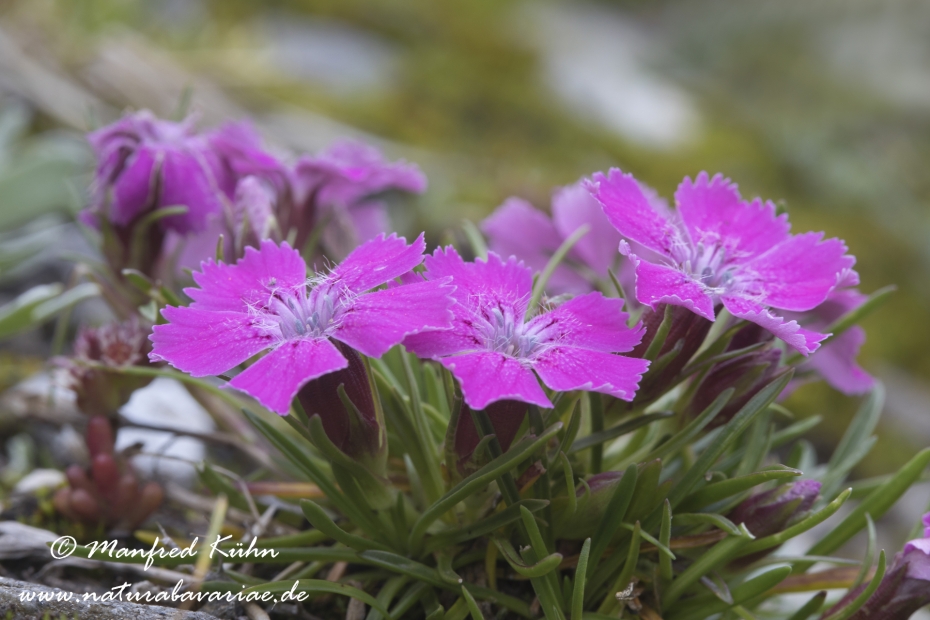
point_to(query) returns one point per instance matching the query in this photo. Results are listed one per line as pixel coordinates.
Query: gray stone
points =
(59, 603)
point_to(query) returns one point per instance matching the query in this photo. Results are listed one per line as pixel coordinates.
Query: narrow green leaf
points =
(377, 493)
(798, 528)
(578, 589)
(860, 600)
(557, 257)
(691, 430)
(387, 593)
(707, 518)
(570, 493)
(574, 424)
(733, 429)
(475, 239)
(479, 480)
(750, 589)
(320, 586)
(472, 605)
(876, 504)
(706, 362)
(533, 571)
(431, 477)
(856, 441)
(484, 526)
(321, 521)
(661, 334)
(810, 607)
(619, 430)
(869, 554)
(299, 456)
(717, 556)
(626, 574)
(410, 598)
(665, 537)
(724, 489)
(613, 515)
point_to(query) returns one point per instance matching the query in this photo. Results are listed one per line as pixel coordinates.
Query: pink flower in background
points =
(146, 163)
(836, 360)
(517, 228)
(494, 351)
(265, 302)
(718, 249)
(904, 589)
(336, 187)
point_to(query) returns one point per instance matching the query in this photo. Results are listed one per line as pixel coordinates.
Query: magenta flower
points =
(493, 350)
(836, 360)
(517, 228)
(265, 302)
(337, 186)
(146, 163)
(904, 589)
(719, 249)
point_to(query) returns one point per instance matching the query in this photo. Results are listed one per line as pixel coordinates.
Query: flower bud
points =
(687, 327)
(904, 589)
(506, 417)
(593, 497)
(100, 353)
(772, 511)
(746, 374)
(357, 432)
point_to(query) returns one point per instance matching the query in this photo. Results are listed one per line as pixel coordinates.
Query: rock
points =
(39, 479)
(18, 541)
(165, 403)
(19, 600)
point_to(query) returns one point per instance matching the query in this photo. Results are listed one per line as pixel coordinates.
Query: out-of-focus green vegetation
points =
(818, 106)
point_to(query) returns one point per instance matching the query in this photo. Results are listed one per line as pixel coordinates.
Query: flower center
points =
(708, 264)
(506, 334)
(302, 311)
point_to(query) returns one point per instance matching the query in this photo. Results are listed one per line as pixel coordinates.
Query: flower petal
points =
(657, 284)
(436, 343)
(589, 321)
(132, 192)
(799, 273)
(565, 368)
(488, 377)
(378, 261)
(712, 209)
(483, 283)
(275, 379)
(187, 181)
(203, 342)
(572, 207)
(629, 211)
(518, 229)
(377, 321)
(836, 363)
(805, 341)
(250, 280)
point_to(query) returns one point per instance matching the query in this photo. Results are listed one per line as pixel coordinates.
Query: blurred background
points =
(823, 107)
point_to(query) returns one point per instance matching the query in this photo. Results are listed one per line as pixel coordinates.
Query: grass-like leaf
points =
(876, 504)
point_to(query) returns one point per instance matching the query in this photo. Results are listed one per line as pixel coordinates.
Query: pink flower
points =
(265, 302)
(904, 589)
(519, 229)
(718, 249)
(337, 186)
(836, 360)
(493, 350)
(145, 163)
